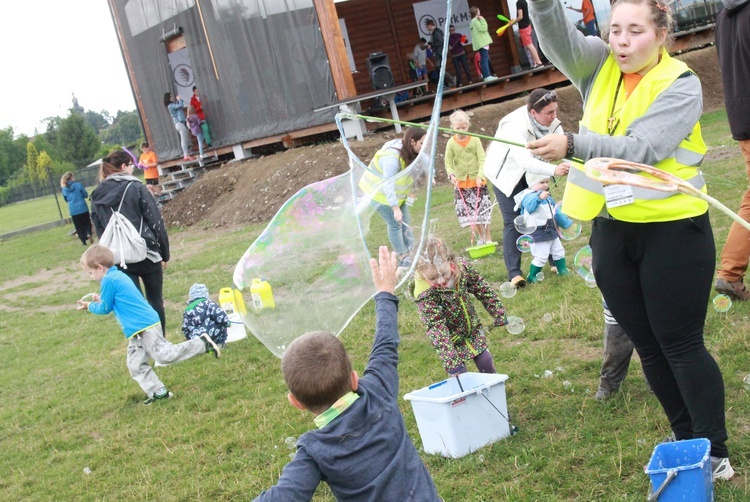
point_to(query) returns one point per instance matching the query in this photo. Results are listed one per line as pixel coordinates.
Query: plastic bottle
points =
(262, 295)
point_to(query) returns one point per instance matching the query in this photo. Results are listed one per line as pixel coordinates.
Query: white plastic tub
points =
(236, 330)
(452, 422)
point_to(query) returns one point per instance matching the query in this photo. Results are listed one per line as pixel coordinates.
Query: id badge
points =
(618, 195)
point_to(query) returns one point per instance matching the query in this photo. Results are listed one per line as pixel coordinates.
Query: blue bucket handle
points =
(671, 474)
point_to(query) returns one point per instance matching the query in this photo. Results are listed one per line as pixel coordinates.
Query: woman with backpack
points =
(119, 190)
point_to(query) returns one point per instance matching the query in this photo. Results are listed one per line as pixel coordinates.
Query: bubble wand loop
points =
(615, 171)
(135, 160)
(368, 118)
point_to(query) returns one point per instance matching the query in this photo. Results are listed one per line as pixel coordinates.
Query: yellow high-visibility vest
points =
(370, 181)
(584, 199)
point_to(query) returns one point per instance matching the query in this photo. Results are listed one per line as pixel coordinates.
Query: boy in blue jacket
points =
(360, 447)
(139, 321)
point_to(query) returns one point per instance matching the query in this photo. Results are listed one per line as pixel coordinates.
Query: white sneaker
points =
(490, 78)
(721, 469)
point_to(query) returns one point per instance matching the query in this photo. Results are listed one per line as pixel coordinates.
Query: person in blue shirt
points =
(176, 108)
(75, 195)
(360, 446)
(538, 204)
(139, 321)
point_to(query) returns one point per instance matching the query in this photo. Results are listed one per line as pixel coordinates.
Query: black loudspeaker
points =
(380, 71)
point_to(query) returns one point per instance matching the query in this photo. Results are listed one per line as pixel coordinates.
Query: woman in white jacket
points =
(506, 166)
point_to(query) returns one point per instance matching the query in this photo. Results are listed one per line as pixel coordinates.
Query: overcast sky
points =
(51, 49)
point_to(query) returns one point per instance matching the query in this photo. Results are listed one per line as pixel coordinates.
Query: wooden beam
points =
(338, 61)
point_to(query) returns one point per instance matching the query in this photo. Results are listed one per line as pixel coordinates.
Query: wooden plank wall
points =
(389, 26)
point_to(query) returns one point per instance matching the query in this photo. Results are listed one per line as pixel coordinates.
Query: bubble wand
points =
(368, 118)
(616, 171)
(135, 161)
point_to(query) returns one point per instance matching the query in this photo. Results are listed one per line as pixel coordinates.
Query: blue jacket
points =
(119, 294)
(364, 454)
(177, 111)
(75, 195)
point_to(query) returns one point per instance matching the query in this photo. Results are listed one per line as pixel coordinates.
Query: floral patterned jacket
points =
(204, 316)
(452, 322)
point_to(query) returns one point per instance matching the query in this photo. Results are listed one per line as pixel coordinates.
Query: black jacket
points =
(733, 48)
(138, 203)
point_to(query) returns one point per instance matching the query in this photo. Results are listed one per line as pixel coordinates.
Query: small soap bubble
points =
(567, 384)
(481, 458)
(540, 276)
(291, 456)
(515, 325)
(722, 303)
(508, 290)
(547, 374)
(524, 223)
(559, 369)
(547, 317)
(746, 382)
(641, 442)
(590, 280)
(86, 470)
(524, 243)
(567, 228)
(291, 442)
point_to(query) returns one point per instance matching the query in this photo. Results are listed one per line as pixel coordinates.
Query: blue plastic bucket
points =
(681, 470)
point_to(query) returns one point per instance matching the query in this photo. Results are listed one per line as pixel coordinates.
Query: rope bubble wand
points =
(616, 171)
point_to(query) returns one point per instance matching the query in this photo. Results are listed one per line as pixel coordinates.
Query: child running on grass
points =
(442, 285)
(139, 321)
(360, 446)
(464, 161)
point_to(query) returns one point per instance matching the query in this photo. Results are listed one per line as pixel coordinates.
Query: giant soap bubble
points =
(309, 269)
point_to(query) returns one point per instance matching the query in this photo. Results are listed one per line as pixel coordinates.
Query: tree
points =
(32, 162)
(76, 140)
(12, 154)
(44, 162)
(97, 121)
(125, 130)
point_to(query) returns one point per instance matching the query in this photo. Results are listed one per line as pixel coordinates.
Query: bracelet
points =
(571, 144)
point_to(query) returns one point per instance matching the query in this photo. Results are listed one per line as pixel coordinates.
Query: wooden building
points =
(262, 67)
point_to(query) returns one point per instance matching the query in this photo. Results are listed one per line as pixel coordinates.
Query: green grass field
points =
(74, 428)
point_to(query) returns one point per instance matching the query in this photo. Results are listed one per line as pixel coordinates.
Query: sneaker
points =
(603, 394)
(518, 281)
(158, 396)
(490, 78)
(734, 290)
(721, 469)
(211, 345)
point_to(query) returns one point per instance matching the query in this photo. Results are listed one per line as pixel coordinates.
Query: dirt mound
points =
(252, 190)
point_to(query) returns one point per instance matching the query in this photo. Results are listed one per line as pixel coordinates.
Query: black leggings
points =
(152, 275)
(82, 224)
(656, 281)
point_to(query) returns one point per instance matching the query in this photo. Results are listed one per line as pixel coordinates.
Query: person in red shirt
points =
(195, 102)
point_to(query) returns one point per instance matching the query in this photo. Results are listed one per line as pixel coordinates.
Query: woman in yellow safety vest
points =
(653, 252)
(388, 190)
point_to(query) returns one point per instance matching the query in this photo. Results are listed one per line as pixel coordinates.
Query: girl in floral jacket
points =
(442, 285)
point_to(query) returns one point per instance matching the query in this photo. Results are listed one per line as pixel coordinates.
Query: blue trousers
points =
(399, 234)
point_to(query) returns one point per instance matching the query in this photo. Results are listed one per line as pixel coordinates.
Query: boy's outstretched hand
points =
(384, 270)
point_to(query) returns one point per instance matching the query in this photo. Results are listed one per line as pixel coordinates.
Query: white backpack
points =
(122, 238)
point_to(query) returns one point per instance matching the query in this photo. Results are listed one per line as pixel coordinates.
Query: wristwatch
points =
(571, 144)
